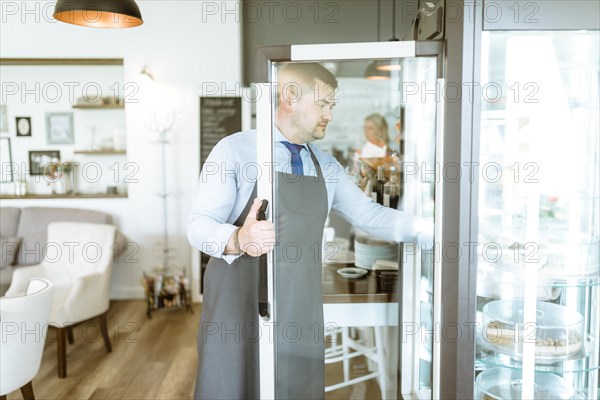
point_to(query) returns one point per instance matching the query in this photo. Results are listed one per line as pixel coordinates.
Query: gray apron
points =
(228, 349)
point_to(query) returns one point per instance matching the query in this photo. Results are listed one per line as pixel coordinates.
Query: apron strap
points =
(316, 162)
(240, 221)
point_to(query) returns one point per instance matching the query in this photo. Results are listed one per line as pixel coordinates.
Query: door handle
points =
(263, 303)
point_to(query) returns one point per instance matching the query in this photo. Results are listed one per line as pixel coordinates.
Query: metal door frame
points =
(266, 57)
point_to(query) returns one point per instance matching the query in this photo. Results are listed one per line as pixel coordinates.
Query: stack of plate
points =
(367, 251)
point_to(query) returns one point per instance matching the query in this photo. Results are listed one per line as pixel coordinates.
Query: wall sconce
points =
(145, 77)
(99, 13)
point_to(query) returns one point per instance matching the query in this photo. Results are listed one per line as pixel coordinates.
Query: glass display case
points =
(538, 269)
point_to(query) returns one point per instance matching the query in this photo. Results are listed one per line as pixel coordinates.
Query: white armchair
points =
(77, 260)
(24, 325)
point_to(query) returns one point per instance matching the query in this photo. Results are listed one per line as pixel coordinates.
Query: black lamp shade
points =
(99, 13)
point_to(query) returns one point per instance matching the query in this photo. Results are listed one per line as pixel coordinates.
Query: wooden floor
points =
(151, 359)
(367, 390)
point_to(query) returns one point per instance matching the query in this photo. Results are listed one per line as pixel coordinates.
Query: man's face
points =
(313, 111)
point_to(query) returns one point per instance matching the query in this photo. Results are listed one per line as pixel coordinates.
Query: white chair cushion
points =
(24, 325)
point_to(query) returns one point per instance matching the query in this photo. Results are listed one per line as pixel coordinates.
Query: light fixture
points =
(373, 72)
(145, 77)
(391, 65)
(99, 13)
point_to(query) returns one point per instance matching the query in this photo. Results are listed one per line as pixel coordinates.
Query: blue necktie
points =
(297, 167)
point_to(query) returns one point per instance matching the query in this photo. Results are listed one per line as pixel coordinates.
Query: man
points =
(223, 224)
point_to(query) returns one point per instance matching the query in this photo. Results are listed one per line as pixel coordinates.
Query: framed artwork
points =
(3, 118)
(6, 160)
(59, 128)
(23, 126)
(39, 160)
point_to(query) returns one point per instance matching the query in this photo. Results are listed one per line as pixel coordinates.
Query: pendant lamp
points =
(99, 13)
(373, 72)
(391, 65)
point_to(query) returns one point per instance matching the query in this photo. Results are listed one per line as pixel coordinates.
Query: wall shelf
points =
(65, 196)
(99, 106)
(61, 61)
(100, 152)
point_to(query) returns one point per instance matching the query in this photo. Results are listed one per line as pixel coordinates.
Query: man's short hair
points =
(307, 73)
(296, 76)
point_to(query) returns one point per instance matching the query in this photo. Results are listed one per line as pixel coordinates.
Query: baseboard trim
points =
(127, 293)
(135, 293)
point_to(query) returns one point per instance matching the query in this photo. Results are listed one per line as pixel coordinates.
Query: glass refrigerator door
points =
(538, 267)
(350, 306)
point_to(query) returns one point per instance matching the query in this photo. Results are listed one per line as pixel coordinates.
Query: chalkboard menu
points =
(219, 117)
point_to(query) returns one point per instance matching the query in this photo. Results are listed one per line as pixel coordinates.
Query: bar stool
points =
(350, 347)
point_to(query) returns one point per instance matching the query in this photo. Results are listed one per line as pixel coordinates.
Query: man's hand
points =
(256, 237)
(425, 232)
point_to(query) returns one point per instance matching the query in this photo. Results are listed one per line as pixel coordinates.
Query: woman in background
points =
(376, 133)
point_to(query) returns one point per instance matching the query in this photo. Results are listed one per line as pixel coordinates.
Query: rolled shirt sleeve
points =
(374, 219)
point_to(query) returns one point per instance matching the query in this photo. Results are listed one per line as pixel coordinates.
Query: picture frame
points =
(6, 166)
(23, 125)
(39, 159)
(3, 118)
(59, 128)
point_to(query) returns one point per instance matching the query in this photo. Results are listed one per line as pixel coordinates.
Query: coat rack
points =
(163, 288)
(162, 129)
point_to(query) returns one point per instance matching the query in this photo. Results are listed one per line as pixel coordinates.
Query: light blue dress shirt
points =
(231, 171)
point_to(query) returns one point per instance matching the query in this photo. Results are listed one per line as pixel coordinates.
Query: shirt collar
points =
(279, 137)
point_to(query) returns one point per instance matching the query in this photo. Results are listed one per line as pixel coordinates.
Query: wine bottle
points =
(391, 190)
(380, 183)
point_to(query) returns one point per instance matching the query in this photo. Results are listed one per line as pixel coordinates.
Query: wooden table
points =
(356, 302)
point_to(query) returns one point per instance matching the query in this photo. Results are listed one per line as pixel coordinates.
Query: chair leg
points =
(61, 349)
(346, 351)
(27, 391)
(70, 334)
(381, 367)
(104, 331)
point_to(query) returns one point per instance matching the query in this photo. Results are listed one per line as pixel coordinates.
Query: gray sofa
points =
(23, 235)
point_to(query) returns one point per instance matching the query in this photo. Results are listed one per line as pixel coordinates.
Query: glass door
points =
(420, 302)
(539, 200)
(347, 138)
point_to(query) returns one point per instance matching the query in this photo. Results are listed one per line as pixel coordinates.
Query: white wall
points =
(35, 91)
(182, 52)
